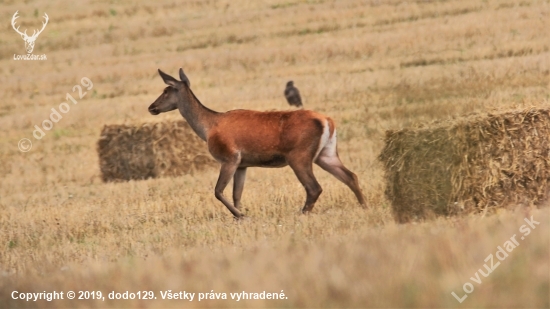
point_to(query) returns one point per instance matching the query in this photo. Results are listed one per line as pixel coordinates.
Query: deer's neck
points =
(199, 117)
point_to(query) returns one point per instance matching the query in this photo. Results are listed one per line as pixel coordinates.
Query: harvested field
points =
(151, 150)
(372, 66)
(469, 165)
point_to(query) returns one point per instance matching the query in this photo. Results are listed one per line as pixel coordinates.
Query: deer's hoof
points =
(240, 217)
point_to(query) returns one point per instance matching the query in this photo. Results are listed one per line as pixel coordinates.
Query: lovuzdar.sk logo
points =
(29, 40)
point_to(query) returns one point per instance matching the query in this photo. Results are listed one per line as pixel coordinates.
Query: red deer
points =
(239, 139)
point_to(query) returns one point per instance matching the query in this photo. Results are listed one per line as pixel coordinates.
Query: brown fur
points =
(240, 139)
(262, 136)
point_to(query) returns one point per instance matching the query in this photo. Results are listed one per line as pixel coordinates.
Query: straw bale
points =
(468, 165)
(151, 150)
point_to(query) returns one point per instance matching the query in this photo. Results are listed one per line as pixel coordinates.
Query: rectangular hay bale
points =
(151, 150)
(468, 165)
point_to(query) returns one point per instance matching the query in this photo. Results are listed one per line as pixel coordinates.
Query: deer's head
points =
(168, 100)
(29, 40)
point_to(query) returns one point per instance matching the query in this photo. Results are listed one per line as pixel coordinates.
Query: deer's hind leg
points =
(329, 161)
(303, 168)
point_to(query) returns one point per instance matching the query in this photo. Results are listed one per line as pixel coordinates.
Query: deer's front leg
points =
(238, 186)
(226, 173)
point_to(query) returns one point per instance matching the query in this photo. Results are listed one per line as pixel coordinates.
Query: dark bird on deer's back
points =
(292, 95)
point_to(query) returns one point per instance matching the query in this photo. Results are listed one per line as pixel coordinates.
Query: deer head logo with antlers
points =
(29, 40)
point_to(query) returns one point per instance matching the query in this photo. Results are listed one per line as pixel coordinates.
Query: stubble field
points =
(370, 65)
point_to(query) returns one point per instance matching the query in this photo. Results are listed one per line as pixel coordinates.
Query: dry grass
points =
(372, 66)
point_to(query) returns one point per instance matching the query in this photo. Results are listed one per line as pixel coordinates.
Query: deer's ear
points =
(169, 80)
(184, 78)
